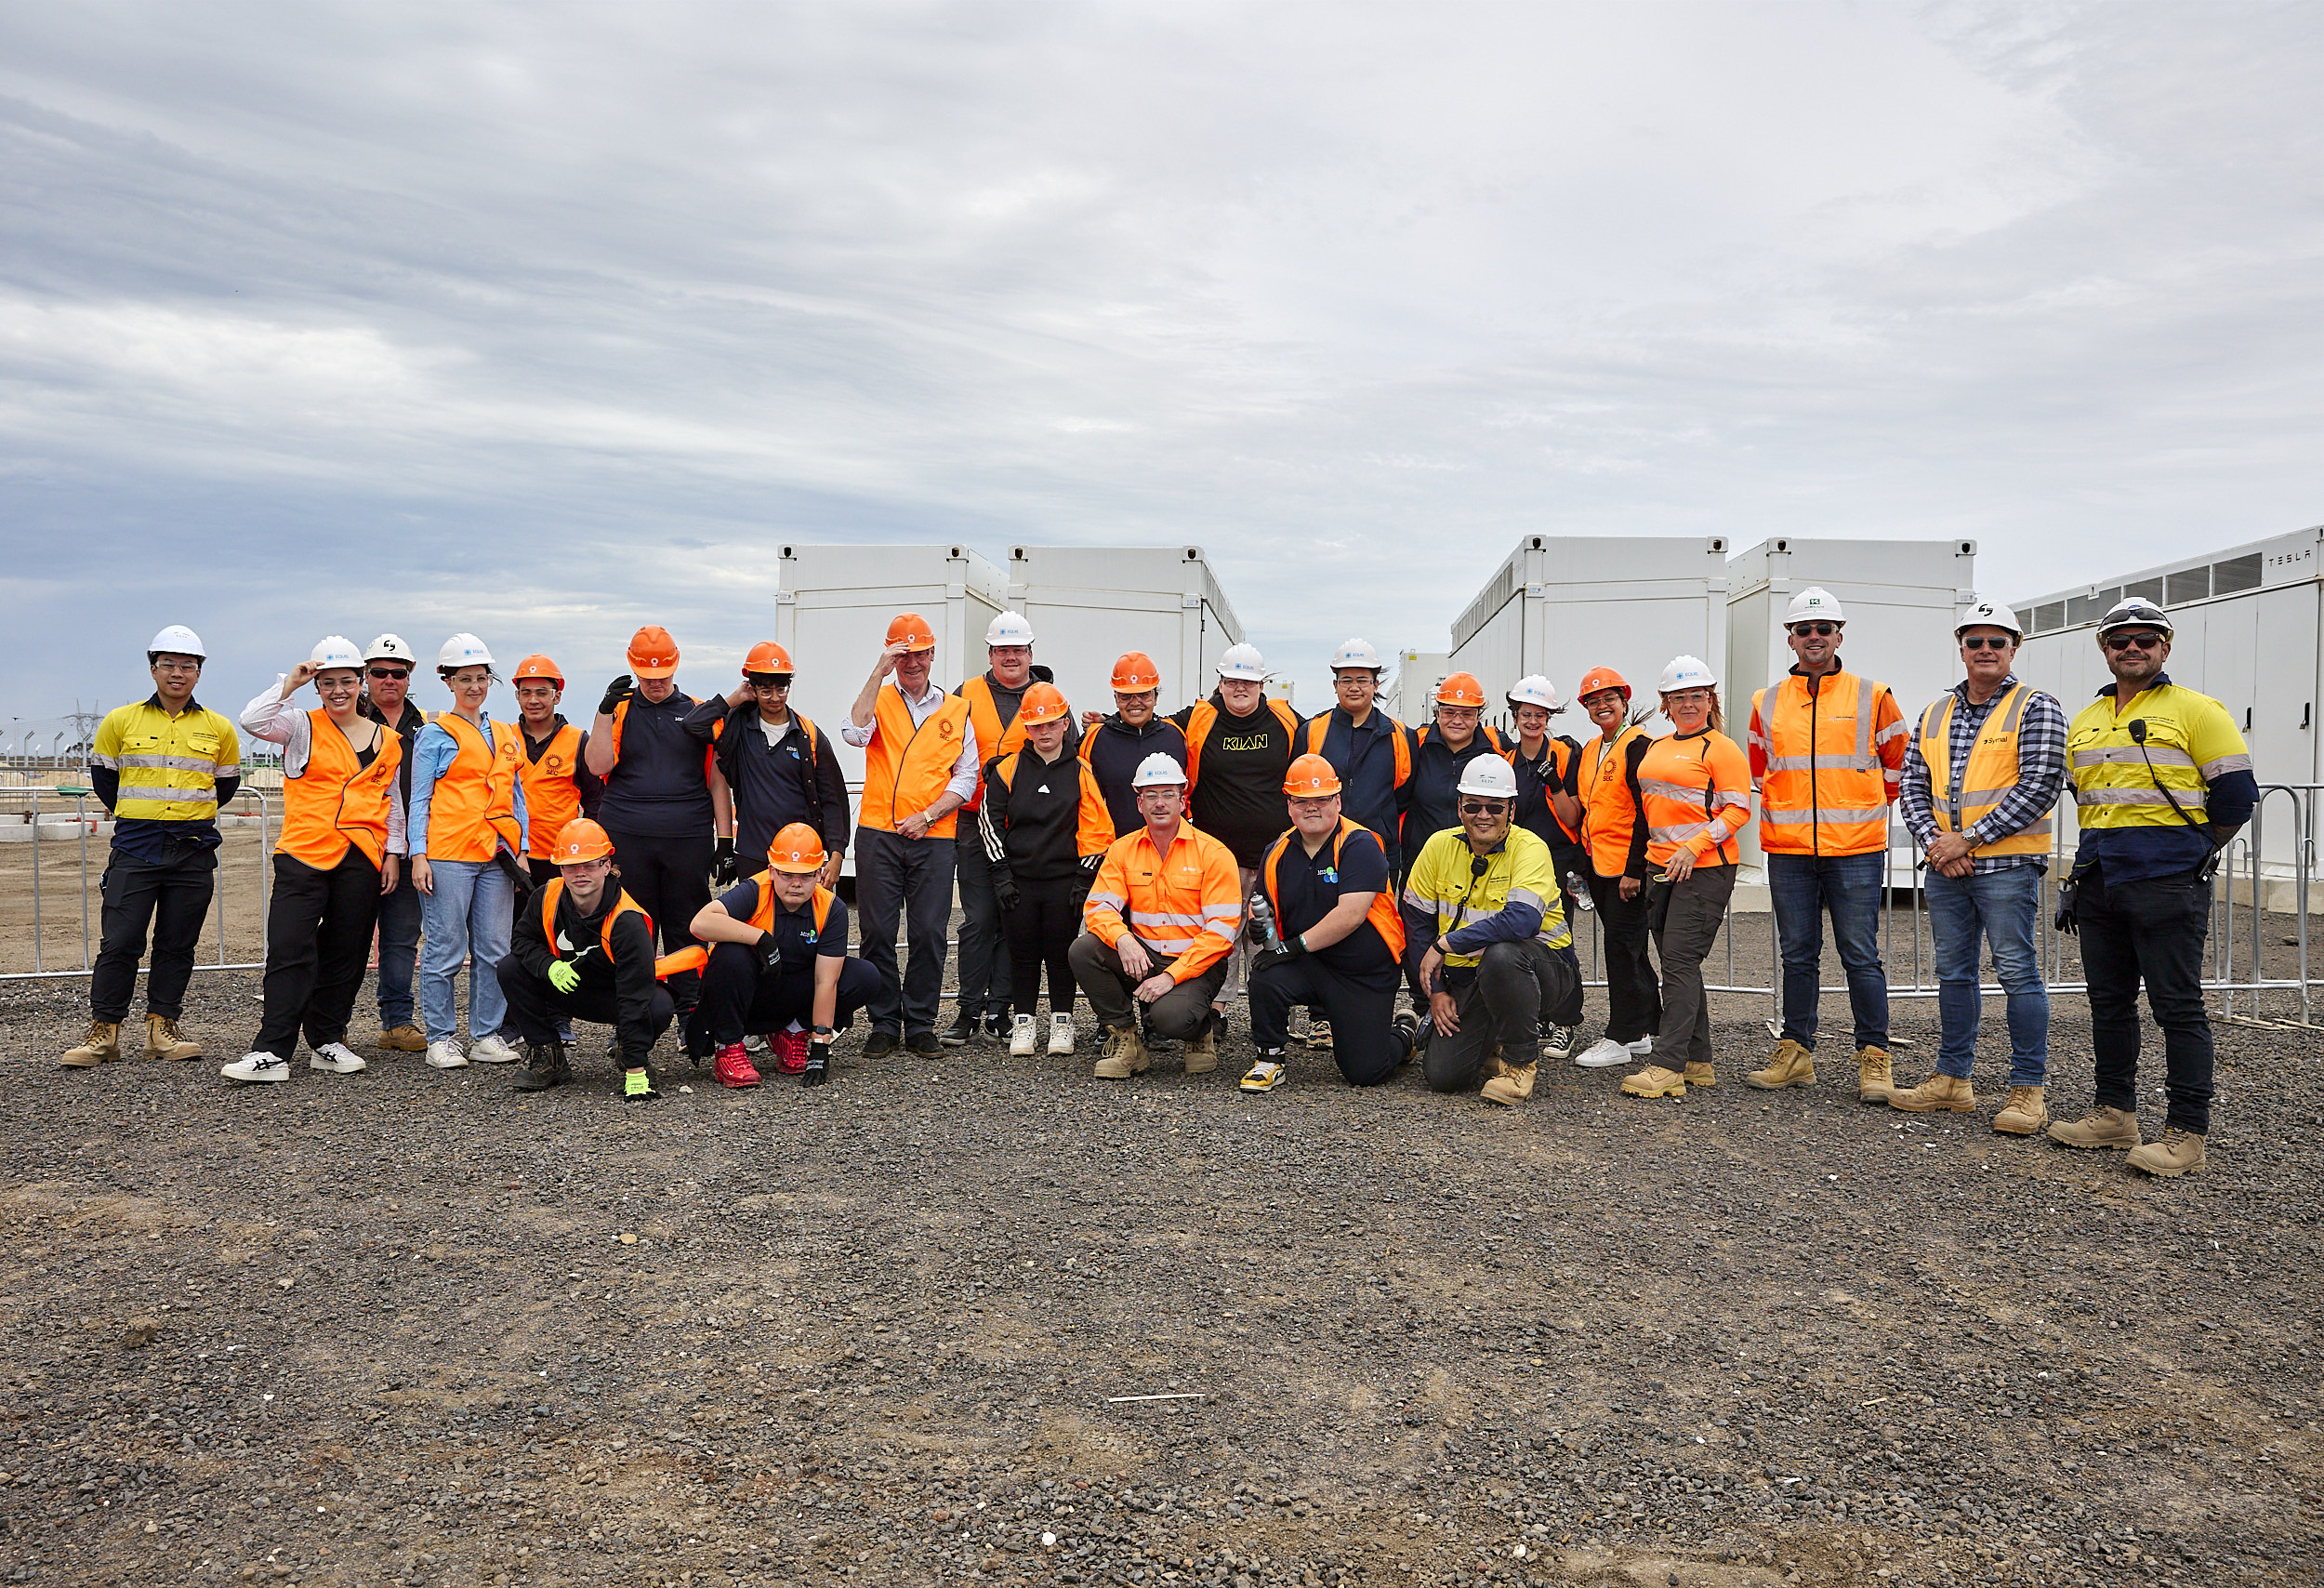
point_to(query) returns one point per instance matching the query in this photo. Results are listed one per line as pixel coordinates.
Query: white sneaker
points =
(491, 1051)
(1603, 1054)
(1060, 1034)
(1022, 1036)
(1640, 1048)
(446, 1056)
(259, 1065)
(337, 1058)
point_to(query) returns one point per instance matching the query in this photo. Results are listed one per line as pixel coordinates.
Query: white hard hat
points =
(179, 640)
(2136, 610)
(1811, 602)
(1243, 662)
(1686, 673)
(336, 651)
(1535, 689)
(1157, 769)
(463, 651)
(1489, 776)
(1989, 615)
(1355, 654)
(390, 648)
(1009, 628)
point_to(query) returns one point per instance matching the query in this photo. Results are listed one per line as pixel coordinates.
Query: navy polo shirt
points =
(794, 931)
(1308, 887)
(660, 786)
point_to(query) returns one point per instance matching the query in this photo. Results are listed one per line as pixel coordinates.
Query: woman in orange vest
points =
(342, 825)
(467, 839)
(1614, 852)
(1695, 790)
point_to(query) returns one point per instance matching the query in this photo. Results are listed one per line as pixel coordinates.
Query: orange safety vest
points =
(905, 767)
(1562, 762)
(1206, 713)
(1384, 917)
(1825, 791)
(1318, 726)
(551, 796)
(762, 913)
(1686, 787)
(473, 808)
(1093, 832)
(1609, 816)
(1960, 797)
(335, 800)
(623, 905)
(993, 738)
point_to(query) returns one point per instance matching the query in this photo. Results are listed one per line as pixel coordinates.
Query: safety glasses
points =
(1986, 643)
(1804, 629)
(2145, 640)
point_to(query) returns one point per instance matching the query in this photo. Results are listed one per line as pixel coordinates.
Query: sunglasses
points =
(1482, 807)
(389, 672)
(1804, 629)
(771, 681)
(2124, 641)
(1986, 643)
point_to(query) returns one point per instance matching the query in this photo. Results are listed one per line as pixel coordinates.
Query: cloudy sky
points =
(546, 322)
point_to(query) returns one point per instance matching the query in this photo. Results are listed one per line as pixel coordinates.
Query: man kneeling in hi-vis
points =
(1161, 920)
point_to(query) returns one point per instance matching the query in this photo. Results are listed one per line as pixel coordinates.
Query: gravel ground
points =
(406, 1326)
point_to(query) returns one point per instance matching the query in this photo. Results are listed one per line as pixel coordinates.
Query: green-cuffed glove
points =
(563, 977)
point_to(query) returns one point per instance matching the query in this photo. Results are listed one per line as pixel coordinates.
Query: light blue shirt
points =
(432, 754)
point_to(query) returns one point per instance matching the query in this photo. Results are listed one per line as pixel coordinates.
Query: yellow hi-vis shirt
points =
(2190, 742)
(1443, 883)
(169, 766)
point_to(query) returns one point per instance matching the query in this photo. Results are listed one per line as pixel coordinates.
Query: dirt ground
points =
(408, 1327)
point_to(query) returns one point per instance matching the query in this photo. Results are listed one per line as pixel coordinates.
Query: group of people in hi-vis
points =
(677, 861)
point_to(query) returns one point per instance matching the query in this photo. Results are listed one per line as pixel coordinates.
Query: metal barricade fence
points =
(68, 818)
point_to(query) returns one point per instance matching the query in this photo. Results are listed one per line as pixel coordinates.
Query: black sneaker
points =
(880, 1044)
(993, 1026)
(925, 1044)
(964, 1026)
(1407, 1028)
(545, 1066)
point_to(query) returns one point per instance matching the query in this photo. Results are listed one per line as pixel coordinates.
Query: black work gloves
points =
(725, 870)
(616, 693)
(818, 1068)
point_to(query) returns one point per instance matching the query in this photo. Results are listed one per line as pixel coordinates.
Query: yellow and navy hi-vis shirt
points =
(1443, 883)
(169, 767)
(2123, 789)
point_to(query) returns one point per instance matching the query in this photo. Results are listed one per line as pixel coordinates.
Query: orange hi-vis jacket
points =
(905, 767)
(1188, 903)
(337, 800)
(1204, 714)
(1384, 917)
(993, 738)
(473, 809)
(1695, 790)
(762, 913)
(1827, 757)
(1962, 796)
(1609, 812)
(551, 796)
(554, 890)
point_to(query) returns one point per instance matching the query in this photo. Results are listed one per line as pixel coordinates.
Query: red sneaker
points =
(790, 1050)
(732, 1067)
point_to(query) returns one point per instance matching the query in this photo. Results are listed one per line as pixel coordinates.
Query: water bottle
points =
(1260, 923)
(1579, 893)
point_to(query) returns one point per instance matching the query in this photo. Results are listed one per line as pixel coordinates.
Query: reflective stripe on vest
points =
(1609, 815)
(473, 808)
(335, 800)
(1205, 715)
(551, 796)
(1681, 795)
(2112, 785)
(905, 767)
(1383, 916)
(623, 905)
(1960, 797)
(1825, 791)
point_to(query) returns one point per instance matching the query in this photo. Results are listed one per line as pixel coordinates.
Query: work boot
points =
(733, 1068)
(404, 1038)
(164, 1040)
(1202, 1049)
(545, 1066)
(1792, 1065)
(1876, 1082)
(1125, 1054)
(1511, 1085)
(1702, 1075)
(102, 1042)
(2179, 1152)
(2105, 1128)
(2025, 1113)
(1939, 1092)
(1655, 1080)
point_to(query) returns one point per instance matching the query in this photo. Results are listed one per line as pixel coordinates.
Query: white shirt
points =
(276, 720)
(964, 771)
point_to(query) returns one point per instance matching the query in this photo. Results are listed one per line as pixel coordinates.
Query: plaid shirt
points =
(2041, 773)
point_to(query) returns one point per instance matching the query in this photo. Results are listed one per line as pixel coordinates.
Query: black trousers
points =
(985, 944)
(1634, 992)
(670, 880)
(738, 1000)
(2151, 931)
(174, 900)
(1365, 1046)
(1515, 987)
(1179, 1015)
(318, 935)
(1041, 932)
(537, 1010)
(899, 880)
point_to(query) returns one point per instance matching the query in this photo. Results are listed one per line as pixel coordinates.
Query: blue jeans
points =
(466, 916)
(399, 949)
(1804, 887)
(2000, 906)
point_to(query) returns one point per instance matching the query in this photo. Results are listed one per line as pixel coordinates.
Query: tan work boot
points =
(1702, 1075)
(102, 1042)
(1792, 1065)
(2179, 1152)
(2105, 1128)
(1655, 1080)
(400, 1040)
(1125, 1054)
(2025, 1113)
(1875, 1082)
(164, 1040)
(1511, 1084)
(1202, 1051)
(1939, 1092)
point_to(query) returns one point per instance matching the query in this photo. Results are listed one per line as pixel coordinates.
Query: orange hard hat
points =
(912, 631)
(767, 657)
(1043, 703)
(1136, 673)
(798, 849)
(1311, 778)
(538, 666)
(580, 840)
(652, 654)
(1597, 679)
(1461, 689)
